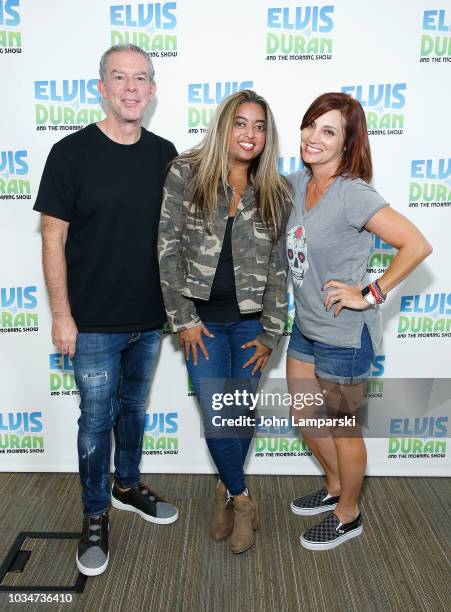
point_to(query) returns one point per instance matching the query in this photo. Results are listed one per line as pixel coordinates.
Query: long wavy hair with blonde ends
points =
(210, 162)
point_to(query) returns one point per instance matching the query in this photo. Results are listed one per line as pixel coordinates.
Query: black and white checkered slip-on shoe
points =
(331, 533)
(314, 503)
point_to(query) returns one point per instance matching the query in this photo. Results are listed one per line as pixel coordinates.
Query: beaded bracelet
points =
(373, 293)
(382, 296)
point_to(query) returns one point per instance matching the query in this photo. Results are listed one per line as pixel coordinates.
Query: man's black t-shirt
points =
(111, 196)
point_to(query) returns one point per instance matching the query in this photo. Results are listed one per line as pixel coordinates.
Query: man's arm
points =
(54, 235)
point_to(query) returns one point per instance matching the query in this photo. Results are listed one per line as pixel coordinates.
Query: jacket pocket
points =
(192, 240)
(262, 243)
(193, 232)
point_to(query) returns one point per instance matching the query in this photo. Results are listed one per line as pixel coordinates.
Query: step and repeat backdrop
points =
(394, 56)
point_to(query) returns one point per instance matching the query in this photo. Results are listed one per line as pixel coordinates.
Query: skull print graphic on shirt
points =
(297, 253)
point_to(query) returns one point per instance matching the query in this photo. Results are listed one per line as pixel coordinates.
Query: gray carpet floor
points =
(400, 562)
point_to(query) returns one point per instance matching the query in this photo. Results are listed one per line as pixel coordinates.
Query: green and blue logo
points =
(289, 165)
(190, 392)
(375, 382)
(280, 447)
(381, 256)
(430, 183)
(436, 39)
(150, 26)
(203, 99)
(18, 309)
(291, 312)
(278, 438)
(14, 175)
(425, 316)
(69, 104)
(21, 432)
(421, 437)
(10, 34)
(377, 366)
(159, 433)
(383, 104)
(300, 33)
(61, 376)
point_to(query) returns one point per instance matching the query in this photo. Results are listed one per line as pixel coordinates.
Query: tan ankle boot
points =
(247, 520)
(222, 518)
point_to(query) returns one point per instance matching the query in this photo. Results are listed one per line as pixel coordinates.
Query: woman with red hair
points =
(337, 327)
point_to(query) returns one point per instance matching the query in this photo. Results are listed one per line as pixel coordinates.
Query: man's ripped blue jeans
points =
(113, 372)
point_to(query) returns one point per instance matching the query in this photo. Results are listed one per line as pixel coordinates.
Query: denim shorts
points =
(339, 364)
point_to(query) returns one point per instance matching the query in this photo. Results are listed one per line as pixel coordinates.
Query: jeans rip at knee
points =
(94, 378)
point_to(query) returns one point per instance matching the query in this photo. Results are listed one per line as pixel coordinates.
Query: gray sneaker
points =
(145, 502)
(92, 552)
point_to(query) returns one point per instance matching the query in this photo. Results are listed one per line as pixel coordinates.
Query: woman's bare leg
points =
(346, 400)
(301, 379)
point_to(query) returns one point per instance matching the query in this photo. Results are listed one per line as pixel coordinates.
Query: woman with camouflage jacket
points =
(223, 276)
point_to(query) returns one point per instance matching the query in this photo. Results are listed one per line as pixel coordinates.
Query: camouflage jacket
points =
(189, 255)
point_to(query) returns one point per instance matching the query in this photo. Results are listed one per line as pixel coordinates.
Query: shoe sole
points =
(89, 571)
(238, 552)
(222, 538)
(311, 511)
(147, 517)
(328, 545)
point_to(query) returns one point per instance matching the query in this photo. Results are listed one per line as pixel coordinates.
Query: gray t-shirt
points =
(330, 242)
